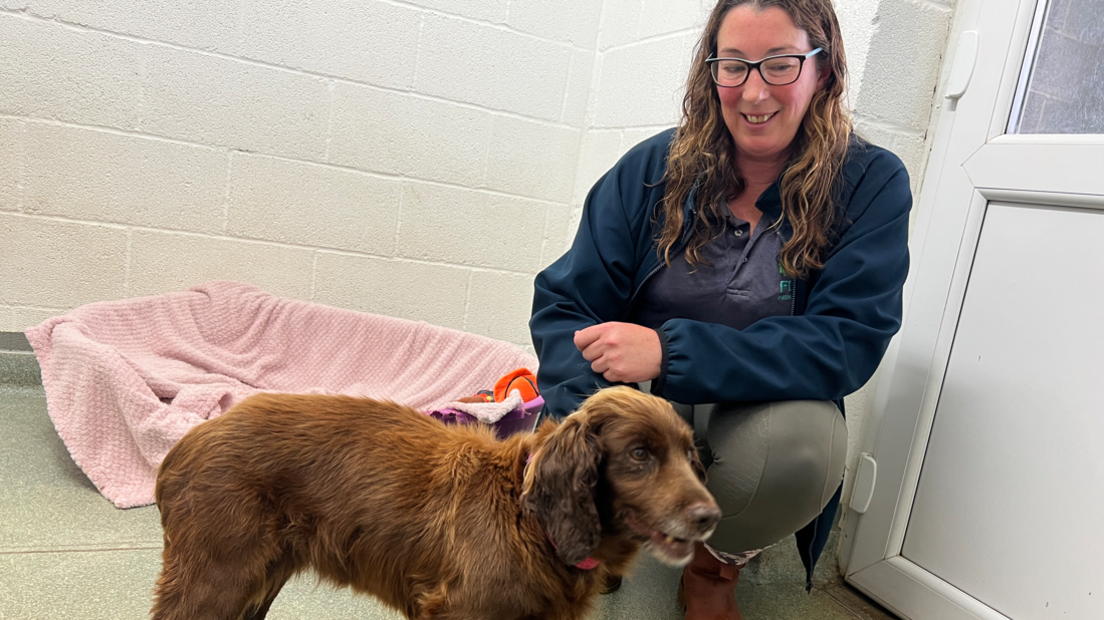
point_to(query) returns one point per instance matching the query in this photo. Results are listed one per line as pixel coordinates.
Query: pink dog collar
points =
(587, 564)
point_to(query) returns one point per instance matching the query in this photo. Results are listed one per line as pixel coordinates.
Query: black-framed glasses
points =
(775, 70)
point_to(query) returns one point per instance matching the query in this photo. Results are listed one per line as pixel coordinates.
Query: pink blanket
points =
(125, 380)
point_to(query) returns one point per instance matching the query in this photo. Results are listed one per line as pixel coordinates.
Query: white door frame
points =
(943, 244)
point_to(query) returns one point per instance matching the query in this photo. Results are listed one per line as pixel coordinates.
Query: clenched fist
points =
(622, 352)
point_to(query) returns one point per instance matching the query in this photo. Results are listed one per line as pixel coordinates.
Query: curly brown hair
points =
(703, 154)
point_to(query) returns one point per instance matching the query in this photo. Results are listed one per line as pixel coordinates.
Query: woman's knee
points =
(775, 466)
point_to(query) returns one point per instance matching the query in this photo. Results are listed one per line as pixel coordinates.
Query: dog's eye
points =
(639, 454)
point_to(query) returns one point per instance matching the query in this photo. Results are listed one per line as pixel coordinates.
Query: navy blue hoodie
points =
(842, 319)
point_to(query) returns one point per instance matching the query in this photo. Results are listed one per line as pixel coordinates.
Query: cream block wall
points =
(642, 57)
(319, 126)
(424, 143)
(896, 100)
(11, 165)
(93, 175)
(417, 158)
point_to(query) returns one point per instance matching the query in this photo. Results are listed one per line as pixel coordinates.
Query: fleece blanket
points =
(125, 380)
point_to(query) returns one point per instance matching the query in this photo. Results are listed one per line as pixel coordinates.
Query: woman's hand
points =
(622, 352)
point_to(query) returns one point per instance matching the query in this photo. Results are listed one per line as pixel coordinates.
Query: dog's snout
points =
(704, 517)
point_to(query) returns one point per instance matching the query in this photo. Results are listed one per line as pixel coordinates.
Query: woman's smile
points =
(759, 119)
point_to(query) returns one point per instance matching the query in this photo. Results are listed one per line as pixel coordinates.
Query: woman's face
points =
(763, 119)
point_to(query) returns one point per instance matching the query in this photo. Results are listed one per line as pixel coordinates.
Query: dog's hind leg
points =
(259, 612)
(202, 592)
(219, 581)
(278, 574)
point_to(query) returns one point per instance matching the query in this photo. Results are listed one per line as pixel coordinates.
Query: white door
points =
(988, 498)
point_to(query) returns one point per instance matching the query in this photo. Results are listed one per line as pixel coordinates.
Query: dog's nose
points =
(704, 517)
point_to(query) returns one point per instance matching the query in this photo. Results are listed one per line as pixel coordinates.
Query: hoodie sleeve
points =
(853, 309)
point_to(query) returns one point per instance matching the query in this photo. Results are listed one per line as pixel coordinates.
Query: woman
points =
(747, 266)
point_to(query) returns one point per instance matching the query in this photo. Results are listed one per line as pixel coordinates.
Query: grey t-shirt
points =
(742, 282)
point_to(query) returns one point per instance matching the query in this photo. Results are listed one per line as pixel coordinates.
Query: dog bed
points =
(125, 380)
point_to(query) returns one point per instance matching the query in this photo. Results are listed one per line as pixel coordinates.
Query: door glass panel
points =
(1062, 90)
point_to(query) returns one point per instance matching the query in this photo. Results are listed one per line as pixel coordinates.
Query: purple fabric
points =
(519, 420)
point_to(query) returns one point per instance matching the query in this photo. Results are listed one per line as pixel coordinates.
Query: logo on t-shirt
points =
(785, 286)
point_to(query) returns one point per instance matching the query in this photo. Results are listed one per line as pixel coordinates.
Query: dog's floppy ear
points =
(559, 489)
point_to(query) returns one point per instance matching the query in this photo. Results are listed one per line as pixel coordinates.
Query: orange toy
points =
(521, 380)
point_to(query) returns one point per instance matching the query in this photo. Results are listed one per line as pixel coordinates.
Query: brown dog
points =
(436, 521)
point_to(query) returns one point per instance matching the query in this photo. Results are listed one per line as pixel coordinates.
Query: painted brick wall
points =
(421, 158)
(897, 100)
(414, 158)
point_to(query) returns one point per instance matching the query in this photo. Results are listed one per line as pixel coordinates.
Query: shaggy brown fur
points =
(436, 521)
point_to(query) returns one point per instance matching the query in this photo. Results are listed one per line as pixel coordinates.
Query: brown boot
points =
(708, 588)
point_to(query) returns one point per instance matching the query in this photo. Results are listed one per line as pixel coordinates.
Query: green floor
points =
(66, 552)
